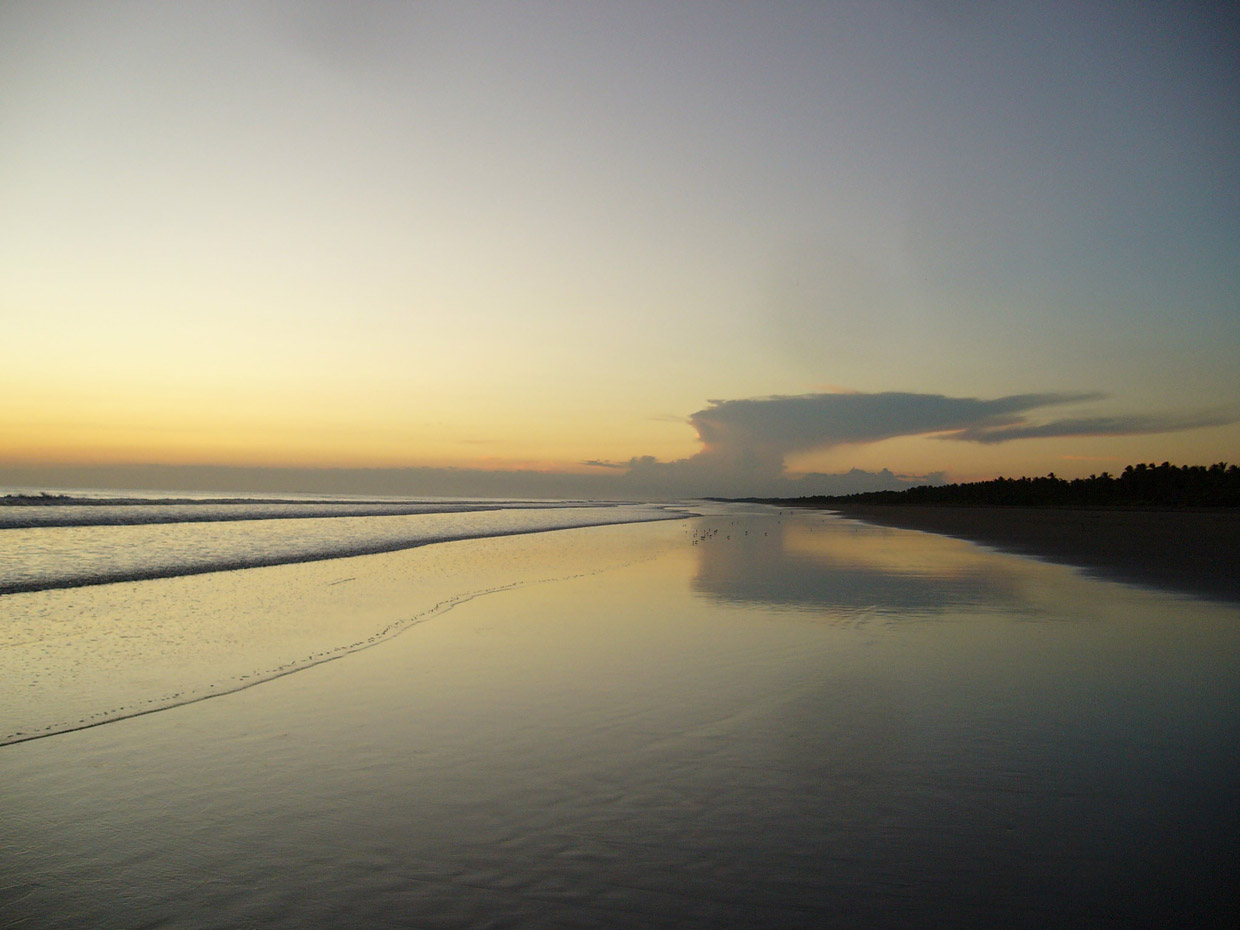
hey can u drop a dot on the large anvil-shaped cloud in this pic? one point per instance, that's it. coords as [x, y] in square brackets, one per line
[745, 443]
[757, 433]
[784, 424]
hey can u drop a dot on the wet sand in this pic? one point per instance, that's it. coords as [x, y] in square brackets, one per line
[1191, 551]
[746, 720]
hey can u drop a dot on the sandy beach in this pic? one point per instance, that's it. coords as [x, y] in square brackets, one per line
[419, 425]
[747, 719]
[1191, 551]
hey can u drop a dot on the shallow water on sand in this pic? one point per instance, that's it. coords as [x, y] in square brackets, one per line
[66, 556]
[83, 656]
[746, 720]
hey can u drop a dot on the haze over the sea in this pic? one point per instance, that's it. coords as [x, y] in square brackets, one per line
[614, 250]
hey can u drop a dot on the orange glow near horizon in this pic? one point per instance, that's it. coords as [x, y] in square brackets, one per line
[247, 237]
[130, 422]
[148, 428]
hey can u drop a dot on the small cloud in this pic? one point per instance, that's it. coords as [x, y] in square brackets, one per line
[933, 477]
[597, 463]
[1090, 426]
[669, 418]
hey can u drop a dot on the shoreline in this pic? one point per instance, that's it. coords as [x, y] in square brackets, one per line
[787, 717]
[1193, 552]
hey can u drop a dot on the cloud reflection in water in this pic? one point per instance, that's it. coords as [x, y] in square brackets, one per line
[818, 562]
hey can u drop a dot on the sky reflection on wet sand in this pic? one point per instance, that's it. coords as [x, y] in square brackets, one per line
[797, 725]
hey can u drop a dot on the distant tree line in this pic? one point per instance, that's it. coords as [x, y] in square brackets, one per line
[1164, 485]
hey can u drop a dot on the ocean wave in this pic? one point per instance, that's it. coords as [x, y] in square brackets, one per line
[31, 511]
[67, 556]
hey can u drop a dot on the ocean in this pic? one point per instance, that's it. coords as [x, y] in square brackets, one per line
[738, 717]
[67, 541]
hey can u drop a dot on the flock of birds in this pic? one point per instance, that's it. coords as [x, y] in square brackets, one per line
[703, 534]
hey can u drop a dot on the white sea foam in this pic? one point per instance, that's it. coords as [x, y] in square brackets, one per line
[78, 511]
[76, 651]
[78, 544]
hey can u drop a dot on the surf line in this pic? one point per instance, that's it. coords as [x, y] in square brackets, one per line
[254, 679]
[295, 558]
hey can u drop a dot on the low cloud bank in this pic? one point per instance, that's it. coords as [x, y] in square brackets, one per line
[710, 474]
[642, 479]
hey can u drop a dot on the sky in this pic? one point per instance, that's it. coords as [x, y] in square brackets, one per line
[629, 249]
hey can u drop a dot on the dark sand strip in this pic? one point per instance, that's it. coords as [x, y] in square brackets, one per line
[1190, 551]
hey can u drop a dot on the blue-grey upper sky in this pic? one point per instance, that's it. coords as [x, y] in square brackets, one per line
[532, 235]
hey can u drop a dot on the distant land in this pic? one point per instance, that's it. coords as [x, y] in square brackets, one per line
[1156, 486]
[46, 499]
[1166, 526]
